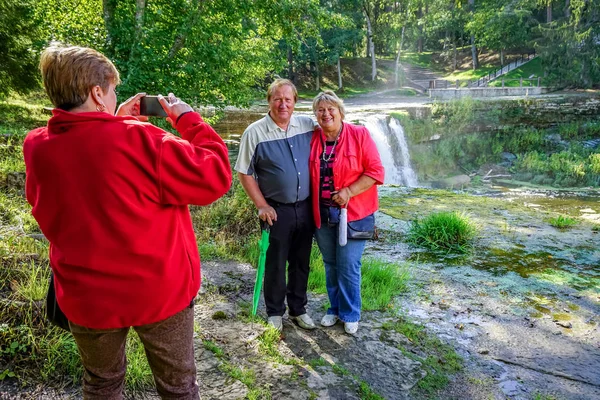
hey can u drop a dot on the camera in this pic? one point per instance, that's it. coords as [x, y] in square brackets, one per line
[150, 106]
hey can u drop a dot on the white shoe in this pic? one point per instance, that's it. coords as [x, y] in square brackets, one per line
[351, 327]
[329, 320]
[276, 322]
[304, 321]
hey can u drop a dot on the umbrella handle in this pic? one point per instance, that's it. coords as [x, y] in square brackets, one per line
[264, 225]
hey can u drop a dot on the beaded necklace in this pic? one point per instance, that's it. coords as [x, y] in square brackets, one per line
[326, 157]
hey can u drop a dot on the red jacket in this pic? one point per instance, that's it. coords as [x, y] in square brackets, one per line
[111, 194]
[355, 154]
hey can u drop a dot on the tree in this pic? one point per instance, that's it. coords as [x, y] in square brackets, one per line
[569, 50]
[473, 46]
[501, 27]
[18, 56]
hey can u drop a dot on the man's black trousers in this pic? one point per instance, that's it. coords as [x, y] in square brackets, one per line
[290, 241]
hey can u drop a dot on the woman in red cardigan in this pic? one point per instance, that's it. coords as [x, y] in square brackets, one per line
[344, 169]
[111, 195]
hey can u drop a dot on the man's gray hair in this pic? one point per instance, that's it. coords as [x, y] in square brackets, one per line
[328, 96]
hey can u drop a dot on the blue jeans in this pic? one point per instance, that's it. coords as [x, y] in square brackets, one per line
[342, 273]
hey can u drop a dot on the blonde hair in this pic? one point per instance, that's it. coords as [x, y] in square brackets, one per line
[279, 82]
[329, 96]
[69, 73]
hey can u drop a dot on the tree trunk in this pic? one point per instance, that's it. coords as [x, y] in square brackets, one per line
[397, 65]
[290, 59]
[339, 71]
[473, 46]
[549, 11]
[317, 72]
[455, 54]
[140, 7]
[371, 46]
[182, 36]
[567, 8]
[108, 10]
[420, 38]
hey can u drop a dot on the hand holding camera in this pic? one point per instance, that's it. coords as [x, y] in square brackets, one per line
[142, 106]
[131, 106]
[174, 107]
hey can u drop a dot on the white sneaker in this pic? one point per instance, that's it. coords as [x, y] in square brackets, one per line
[304, 321]
[276, 322]
[329, 320]
[351, 327]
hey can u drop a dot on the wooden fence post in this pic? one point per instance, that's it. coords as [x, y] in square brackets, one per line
[539, 78]
[502, 83]
[457, 83]
[521, 82]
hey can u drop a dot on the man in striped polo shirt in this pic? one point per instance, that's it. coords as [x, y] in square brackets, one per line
[272, 166]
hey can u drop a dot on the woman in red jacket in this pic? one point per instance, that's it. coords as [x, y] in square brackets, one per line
[344, 169]
[111, 195]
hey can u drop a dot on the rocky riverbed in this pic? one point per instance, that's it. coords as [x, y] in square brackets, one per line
[516, 319]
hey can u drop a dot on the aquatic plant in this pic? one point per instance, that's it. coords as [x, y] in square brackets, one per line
[562, 221]
[443, 231]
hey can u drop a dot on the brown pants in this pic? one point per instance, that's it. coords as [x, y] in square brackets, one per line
[169, 348]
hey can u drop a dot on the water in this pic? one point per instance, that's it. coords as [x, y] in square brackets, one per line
[393, 150]
[389, 138]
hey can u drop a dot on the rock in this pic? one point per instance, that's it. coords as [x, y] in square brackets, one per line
[453, 182]
[565, 324]
[508, 157]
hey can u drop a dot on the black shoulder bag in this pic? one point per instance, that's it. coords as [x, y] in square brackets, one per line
[53, 311]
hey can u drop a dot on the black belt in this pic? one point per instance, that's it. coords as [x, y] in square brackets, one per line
[274, 203]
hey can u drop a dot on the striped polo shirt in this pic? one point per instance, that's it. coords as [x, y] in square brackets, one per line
[277, 158]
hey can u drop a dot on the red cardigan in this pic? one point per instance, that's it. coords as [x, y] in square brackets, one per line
[111, 194]
[355, 154]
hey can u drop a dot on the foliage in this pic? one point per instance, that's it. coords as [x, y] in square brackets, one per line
[569, 48]
[19, 33]
[380, 281]
[439, 359]
[228, 228]
[562, 221]
[443, 231]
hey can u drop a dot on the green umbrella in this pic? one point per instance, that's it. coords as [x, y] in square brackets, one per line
[262, 257]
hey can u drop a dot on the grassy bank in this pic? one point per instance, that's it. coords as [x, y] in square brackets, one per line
[470, 135]
[32, 350]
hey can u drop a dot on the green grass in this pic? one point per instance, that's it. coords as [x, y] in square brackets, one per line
[439, 359]
[443, 231]
[139, 376]
[34, 285]
[423, 59]
[229, 228]
[563, 221]
[512, 79]
[380, 281]
[246, 376]
[306, 94]
[365, 390]
[470, 74]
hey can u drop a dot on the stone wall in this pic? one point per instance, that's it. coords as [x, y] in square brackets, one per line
[486, 92]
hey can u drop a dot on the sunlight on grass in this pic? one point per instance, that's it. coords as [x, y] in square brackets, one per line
[380, 281]
[443, 231]
[562, 221]
[34, 285]
[139, 376]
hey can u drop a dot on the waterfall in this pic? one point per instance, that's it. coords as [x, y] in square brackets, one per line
[393, 150]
